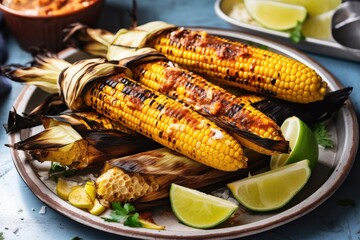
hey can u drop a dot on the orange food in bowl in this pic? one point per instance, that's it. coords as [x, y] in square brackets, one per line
[45, 28]
[47, 7]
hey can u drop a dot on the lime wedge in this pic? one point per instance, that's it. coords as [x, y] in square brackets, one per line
[315, 7]
[318, 26]
[302, 142]
[275, 15]
[273, 189]
[197, 209]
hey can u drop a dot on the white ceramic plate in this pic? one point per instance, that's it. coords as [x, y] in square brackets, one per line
[332, 169]
[223, 9]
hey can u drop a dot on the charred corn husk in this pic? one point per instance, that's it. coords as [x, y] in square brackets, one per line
[147, 176]
[77, 143]
[230, 63]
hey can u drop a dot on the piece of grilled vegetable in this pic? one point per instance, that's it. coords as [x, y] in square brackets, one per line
[228, 62]
[147, 176]
[78, 140]
[109, 90]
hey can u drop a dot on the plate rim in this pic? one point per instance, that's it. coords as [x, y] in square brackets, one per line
[337, 177]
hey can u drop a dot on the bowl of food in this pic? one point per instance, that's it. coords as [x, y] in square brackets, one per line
[41, 23]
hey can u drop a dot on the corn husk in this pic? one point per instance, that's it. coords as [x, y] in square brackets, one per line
[163, 167]
[71, 141]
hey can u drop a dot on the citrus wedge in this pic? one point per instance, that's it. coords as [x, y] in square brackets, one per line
[302, 142]
[318, 26]
[197, 209]
[275, 15]
[272, 189]
[315, 7]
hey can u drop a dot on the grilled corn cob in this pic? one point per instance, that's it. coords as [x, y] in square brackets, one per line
[74, 140]
[249, 126]
[146, 176]
[230, 63]
[107, 89]
[165, 121]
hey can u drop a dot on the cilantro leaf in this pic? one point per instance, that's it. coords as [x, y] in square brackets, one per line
[322, 135]
[296, 35]
[129, 208]
[125, 214]
[133, 221]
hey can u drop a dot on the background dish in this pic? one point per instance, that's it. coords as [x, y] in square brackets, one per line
[331, 171]
[329, 48]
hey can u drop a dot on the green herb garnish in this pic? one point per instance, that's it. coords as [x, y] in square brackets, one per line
[125, 214]
[56, 169]
[296, 35]
[322, 135]
[2, 236]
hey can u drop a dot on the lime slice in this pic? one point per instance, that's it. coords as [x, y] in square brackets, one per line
[275, 15]
[197, 209]
[302, 142]
[273, 189]
[315, 7]
[318, 26]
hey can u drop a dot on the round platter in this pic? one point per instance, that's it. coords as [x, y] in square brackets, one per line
[333, 167]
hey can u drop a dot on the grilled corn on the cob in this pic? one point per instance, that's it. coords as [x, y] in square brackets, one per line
[249, 126]
[228, 62]
[107, 89]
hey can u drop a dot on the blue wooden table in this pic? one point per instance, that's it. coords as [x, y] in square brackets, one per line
[20, 217]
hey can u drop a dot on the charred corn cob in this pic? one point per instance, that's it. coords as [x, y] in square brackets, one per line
[162, 119]
[240, 65]
[230, 63]
[107, 89]
[77, 142]
[249, 126]
[146, 176]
